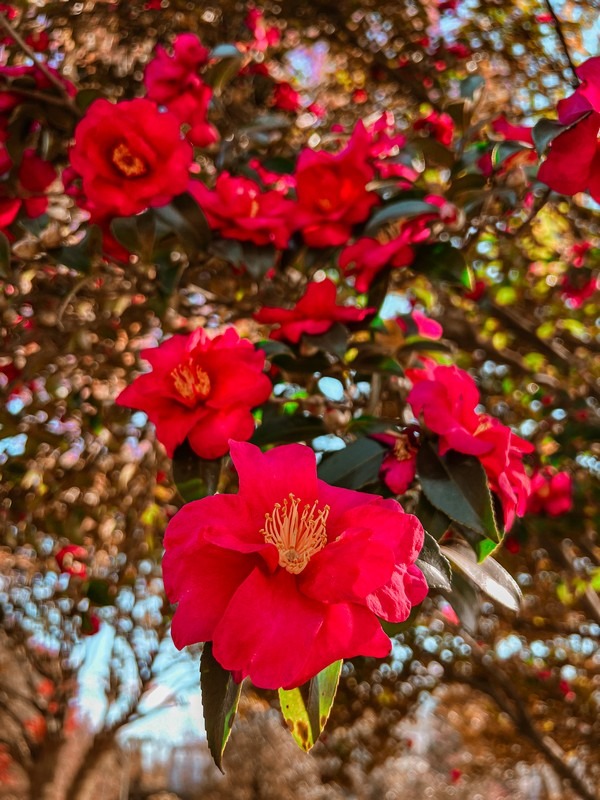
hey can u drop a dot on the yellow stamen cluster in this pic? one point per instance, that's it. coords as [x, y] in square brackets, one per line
[297, 534]
[191, 382]
[128, 163]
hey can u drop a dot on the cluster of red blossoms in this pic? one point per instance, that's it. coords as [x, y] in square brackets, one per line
[445, 399]
[29, 179]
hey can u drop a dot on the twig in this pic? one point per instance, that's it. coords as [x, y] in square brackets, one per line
[63, 306]
[41, 65]
[32, 94]
[563, 41]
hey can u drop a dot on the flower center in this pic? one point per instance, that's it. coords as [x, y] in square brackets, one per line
[128, 163]
[192, 383]
[297, 533]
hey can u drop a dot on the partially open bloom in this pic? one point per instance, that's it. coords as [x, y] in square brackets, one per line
[291, 574]
[201, 389]
[129, 156]
[314, 313]
[332, 191]
[573, 163]
[551, 493]
[399, 466]
[445, 398]
[239, 210]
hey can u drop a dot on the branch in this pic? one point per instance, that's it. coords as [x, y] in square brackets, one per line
[503, 692]
[41, 65]
[563, 42]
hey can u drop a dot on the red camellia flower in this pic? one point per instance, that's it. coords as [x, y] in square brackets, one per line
[285, 97]
[445, 398]
[314, 313]
[367, 257]
[129, 156]
[69, 560]
[332, 193]
[290, 574]
[34, 176]
[239, 210]
[551, 493]
[202, 389]
[440, 126]
[173, 82]
[399, 467]
[573, 163]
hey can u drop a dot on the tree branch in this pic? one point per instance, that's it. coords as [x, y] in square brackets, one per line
[563, 42]
[67, 100]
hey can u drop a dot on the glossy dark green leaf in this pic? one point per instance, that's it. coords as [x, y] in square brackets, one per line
[306, 709]
[137, 234]
[184, 217]
[432, 519]
[456, 484]
[355, 466]
[504, 150]
[443, 262]
[434, 565]
[82, 256]
[403, 209]
[85, 97]
[195, 477]
[281, 430]
[335, 340]
[489, 575]
[545, 131]
[220, 698]
[464, 600]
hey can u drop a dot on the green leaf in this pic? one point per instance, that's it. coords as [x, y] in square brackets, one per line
[195, 477]
[355, 466]
[504, 150]
[306, 720]
[456, 484]
[288, 429]
[432, 519]
[137, 234]
[471, 85]
[466, 183]
[434, 565]
[271, 347]
[371, 358]
[335, 340]
[489, 576]
[220, 698]
[546, 130]
[100, 592]
[81, 256]
[184, 217]
[443, 262]
[4, 256]
[404, 209]
[463, 599]
[227, 67]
